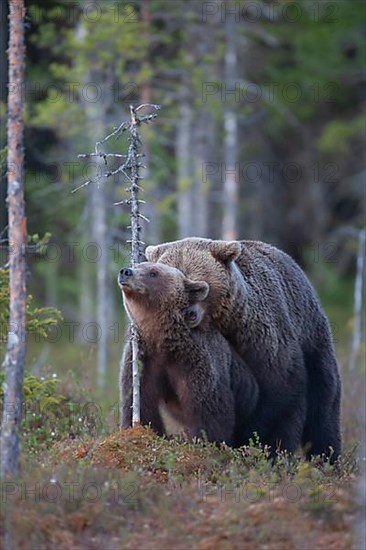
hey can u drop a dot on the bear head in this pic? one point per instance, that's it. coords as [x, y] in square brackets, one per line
[207, 260]
[157, 295]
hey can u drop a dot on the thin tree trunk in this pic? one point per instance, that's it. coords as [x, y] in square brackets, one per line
[361, 527]
[136, 254]
[16, 346]
[100, 237]
[357, 331]
[204, 132]
[153, 231]
[3, 96]
[85, 273]
[96, 115]
[230, 172]
[185, 196]
[86, 296]
[204, 126]
[3, 57]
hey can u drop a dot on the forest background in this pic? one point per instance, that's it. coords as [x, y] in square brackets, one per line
[260, 136]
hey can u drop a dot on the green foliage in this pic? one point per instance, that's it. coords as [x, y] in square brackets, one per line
[39, 394]
[40, 320]
[40, 399]
[315, 59]
[3, 159]
[39, 243]
[337, 136]
[336, 291]
[41, 390]
[50, 413]
[96, 69]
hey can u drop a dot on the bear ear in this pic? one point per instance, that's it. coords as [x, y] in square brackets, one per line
[197, 290]
[153, 253]
[225, 251]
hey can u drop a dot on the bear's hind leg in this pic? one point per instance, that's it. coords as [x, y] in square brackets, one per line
[286, 434]
[278, 426]
[322, 428]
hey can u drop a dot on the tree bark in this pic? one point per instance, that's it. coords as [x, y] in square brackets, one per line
[3, 97]
[16, 345]
[3, 44]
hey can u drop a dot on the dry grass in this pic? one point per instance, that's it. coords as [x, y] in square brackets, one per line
[134, 489]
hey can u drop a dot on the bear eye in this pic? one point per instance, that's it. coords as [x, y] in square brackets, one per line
[153, 274]
[192, 315]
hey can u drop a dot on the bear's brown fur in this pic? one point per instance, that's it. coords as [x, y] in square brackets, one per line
[264, 305]
[191, 374]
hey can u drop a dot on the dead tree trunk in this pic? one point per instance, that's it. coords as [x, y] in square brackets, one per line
[130, 169]
[16, 346]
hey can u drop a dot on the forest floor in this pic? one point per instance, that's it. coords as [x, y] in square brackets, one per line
[133, 489]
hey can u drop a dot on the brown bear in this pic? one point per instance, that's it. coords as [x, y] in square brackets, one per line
[189, 375]
[264, 305]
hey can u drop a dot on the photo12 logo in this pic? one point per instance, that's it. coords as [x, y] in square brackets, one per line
[252, 12]
[55, 491]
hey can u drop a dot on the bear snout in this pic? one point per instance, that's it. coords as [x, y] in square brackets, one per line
[125, 275]
[129, 281]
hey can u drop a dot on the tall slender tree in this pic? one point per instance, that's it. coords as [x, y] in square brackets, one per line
[96, 115]
[184, 161]
[16, 346]
[230, 172]
[3, 94]
[153, 229]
